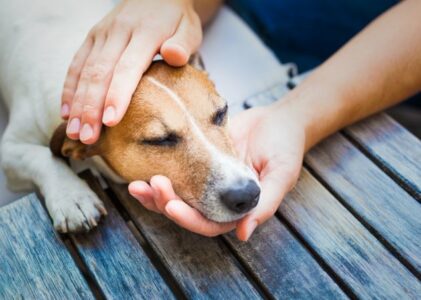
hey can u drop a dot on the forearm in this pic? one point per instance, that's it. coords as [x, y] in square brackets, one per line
[379, 67]
[206, 9]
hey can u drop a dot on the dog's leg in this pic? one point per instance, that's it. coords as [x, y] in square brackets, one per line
[72, 205]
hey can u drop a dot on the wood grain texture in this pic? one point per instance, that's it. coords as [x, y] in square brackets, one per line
[371, 194]
[359, 259]
[393, 147]
[203, 267]
[34, 262]
[282, 265]
[116, 260]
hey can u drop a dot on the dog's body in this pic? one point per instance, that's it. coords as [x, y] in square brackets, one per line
[36, 46]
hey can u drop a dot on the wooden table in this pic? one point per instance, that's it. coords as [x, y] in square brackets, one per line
[350, 229]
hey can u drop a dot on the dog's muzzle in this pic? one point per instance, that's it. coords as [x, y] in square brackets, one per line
[241, 197]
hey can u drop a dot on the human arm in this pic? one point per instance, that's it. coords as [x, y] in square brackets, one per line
[378, 68]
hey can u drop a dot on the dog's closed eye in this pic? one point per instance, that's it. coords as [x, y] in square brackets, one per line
[220, 116]
[169, 140]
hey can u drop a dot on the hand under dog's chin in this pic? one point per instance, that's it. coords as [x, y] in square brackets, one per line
[226, 218]
[218, 213]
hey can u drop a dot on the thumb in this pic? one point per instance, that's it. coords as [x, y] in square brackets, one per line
[185, 41]
[274, 186]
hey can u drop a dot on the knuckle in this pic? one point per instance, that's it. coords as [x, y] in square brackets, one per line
[121, 23]
[152, 27]
[90, 111]
[85, 73]
[125, 66]
[97, 30]
[97, 72]
[67, 94]
[74, 67]
[77, 101]
[197, 35]
[111, 96]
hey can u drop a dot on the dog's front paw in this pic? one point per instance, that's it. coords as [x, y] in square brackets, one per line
[76, 212]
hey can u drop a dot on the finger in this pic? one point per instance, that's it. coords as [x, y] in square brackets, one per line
[185, 41]
[274, 186]
[101, 71]
[164, 191]
[133, 63]
[72, 77]
[141, 191]
[76, 110]
[192, 220]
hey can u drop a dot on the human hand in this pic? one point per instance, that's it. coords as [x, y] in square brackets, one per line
[107, 68]
[271, 141]
[159, 196]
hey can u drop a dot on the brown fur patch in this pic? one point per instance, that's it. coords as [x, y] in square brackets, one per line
[153, 114]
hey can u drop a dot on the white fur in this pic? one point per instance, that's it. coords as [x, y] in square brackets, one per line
[37, 42]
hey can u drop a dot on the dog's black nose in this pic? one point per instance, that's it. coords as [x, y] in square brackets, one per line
[242, 197]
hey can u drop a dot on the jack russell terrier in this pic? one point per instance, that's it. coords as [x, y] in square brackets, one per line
[176, 124]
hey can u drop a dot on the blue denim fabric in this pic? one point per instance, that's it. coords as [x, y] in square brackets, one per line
[307, 32]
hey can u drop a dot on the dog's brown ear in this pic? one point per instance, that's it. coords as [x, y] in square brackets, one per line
[62, 146]
[196, 61]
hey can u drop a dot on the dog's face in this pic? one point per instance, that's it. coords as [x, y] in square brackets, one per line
[176, 125]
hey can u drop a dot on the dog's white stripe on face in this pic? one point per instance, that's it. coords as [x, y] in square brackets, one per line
[225, 165]
[180, 103]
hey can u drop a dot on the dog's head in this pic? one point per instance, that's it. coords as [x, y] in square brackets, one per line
[176, 125]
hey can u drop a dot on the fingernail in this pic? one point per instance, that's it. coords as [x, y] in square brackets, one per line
[65, 110]
[250, 229]
[109, 115]
[169, 209]
[86, 133]
[73, 126]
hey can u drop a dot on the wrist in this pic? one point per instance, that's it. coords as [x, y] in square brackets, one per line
[314, 107]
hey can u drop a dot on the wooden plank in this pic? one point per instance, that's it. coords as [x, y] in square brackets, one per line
[115, 259]
[378, 200]
[282, 265]
[394, 148]
[203, 267]
[358, 259]
[35, 263]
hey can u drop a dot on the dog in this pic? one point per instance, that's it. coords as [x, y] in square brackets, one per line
[176, 124]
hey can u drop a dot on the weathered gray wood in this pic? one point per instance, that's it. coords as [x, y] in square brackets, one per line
[282, 265]
[359, 259]
[393, 147]
[373, 195]
[115, 259]
[203, 267]
[34, 262]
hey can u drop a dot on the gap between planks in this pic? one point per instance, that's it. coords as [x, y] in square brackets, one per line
[264, 293]
[382, 165]
[153, 257]
[84, 270]
[318, 258]
[74, 254]
[360, 219]
[253, 278]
